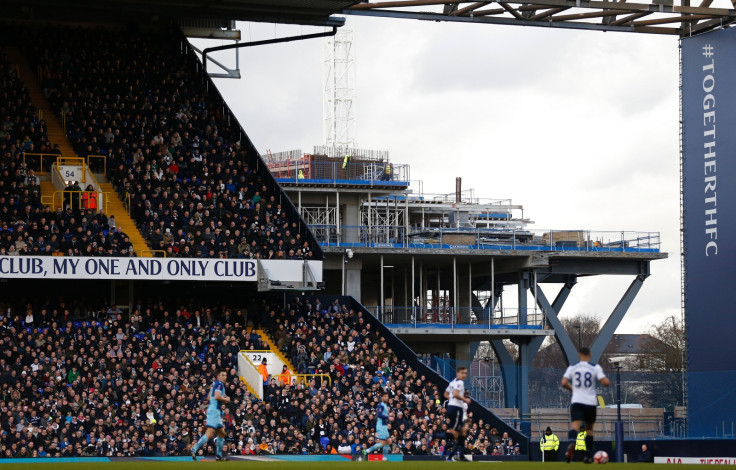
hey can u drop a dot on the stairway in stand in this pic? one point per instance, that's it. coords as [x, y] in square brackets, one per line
[57, 136]
[30, 80]
[265, 338]
[47, 188]
[123, 221]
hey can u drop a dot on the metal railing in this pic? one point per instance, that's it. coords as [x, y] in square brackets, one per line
[306, 378]
[339, 152]
[152, 253]
[76, 200]
[458, 316]
[634, 427]
[92, 158]
[486, 238]
[38, 161]
[42, 162]
[305, 171]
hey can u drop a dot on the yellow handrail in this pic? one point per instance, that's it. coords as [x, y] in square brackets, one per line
[295, 378]
[76, 203]
[151, 253]
[127, 203]
[40, 159]
[69, 160]
[104, 163]
[306, 378]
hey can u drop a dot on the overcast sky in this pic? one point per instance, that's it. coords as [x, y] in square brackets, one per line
[580, 127]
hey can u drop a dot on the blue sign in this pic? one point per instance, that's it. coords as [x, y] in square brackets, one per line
[709, 216]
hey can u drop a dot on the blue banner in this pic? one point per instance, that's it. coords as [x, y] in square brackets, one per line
[709, 216]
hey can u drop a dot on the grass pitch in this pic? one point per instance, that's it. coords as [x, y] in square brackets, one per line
[240, 465]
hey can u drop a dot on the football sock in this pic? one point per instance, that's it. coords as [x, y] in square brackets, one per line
[589, 446]
[385, 450]
[219, 443]
[202, 441]
[460, 445]
[572, 434]
[374, 447]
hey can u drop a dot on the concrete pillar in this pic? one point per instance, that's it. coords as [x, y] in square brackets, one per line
[522, 288]
[353, 277]
[461, 353]
[463, 294]
[351, 205]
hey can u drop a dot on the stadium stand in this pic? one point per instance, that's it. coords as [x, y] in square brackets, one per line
[101, 382]
[194, 184]
[29, 227]
[78, 381]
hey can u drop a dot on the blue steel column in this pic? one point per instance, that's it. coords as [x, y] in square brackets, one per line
[606, 334]
[516, 373]
[527, 350]
[551, 313]
[508, 371]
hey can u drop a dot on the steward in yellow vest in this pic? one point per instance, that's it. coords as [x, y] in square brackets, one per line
[580, 446]
[549, 445]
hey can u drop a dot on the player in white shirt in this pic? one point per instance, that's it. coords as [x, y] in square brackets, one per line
[581, 380]
[455, 395]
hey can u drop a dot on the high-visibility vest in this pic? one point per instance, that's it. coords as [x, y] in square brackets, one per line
[389, 167]
[550, 442]
[345, 161]
[263, 370]
[580, 441]
[285, 378]
[300, 175]
[89, 200]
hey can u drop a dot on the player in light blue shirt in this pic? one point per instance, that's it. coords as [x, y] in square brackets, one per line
[214, 418]
[383, 416]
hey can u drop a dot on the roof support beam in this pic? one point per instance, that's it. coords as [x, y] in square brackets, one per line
[594, 14]
[684, 19]
[551, 313]
[469, 8]
[542, 13]
[545, 14]
[628, 19]
[609, 328]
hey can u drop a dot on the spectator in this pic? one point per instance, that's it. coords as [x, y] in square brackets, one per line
[646, 455]
[263, 370]
[179, 161]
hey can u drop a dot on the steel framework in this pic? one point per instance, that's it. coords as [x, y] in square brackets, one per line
[339, 91]
[677, 17]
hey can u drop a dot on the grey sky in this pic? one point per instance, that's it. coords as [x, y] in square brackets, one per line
[580, 127]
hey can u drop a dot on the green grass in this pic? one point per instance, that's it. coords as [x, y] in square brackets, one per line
[431, 465]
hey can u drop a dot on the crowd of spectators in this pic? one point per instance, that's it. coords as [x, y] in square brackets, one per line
[136, 97]
[101, 382]
[27, 227]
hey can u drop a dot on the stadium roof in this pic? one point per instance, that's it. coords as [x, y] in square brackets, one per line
[312, 12]
[676, 17]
